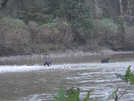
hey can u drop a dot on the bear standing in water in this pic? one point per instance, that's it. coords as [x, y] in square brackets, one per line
[48, 63]
[105, 60]
[48, 60]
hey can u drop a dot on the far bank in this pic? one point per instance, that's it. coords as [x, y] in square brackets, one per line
[68, 57]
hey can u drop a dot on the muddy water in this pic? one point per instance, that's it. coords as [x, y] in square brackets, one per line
[25, 83]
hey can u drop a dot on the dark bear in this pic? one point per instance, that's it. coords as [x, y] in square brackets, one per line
[47, 62]
[105, 60]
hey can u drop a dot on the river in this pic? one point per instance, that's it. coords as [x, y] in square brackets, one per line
[24, 80]
[39, 83]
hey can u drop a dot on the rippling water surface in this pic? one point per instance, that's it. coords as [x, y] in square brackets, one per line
[39, 83]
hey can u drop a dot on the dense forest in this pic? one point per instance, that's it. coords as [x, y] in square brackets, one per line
[39, 26]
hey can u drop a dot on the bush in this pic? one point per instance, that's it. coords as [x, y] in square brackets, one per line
[14, 34]
[59, 32]
[74, 95]
[107, 24]
[71, 95]
[129, 38]
[75, 12]
[108, 34]
[129, 76]
[5, 51]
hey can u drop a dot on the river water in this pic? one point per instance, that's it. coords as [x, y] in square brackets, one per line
[41, 83]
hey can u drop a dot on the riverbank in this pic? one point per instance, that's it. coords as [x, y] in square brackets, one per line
[67, 57]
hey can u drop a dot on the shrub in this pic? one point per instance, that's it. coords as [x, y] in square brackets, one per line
[129, 76]
[75, 12]
[129, 38]
[59, 32]
[74, 95]
[14, 34]
[70, 95]
[108, 34]
[128, 73]
[107, 24]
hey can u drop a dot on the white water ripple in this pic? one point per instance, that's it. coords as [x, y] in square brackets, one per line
[106, 67]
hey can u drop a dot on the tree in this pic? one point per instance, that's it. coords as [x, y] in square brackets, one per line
[75, 12]
[3, 3]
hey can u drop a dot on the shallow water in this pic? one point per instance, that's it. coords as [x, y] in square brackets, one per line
[39, 83]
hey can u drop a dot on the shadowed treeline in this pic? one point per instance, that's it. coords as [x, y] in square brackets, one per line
[39, 26]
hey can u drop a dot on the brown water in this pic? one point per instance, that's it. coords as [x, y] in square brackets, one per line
[39, 83]
[42, 85]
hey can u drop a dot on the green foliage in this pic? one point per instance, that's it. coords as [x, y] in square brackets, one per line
[87, 98]
[128, 73]
[11, 22]
[70, 95]
[15, 35]
[50, 24]
[129, 76]
[112, 94]
[60, 96]
[76, 13]
[74, 95]
[107, 24]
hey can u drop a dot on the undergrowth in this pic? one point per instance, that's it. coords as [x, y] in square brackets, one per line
[129, 76]
[73, 94]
